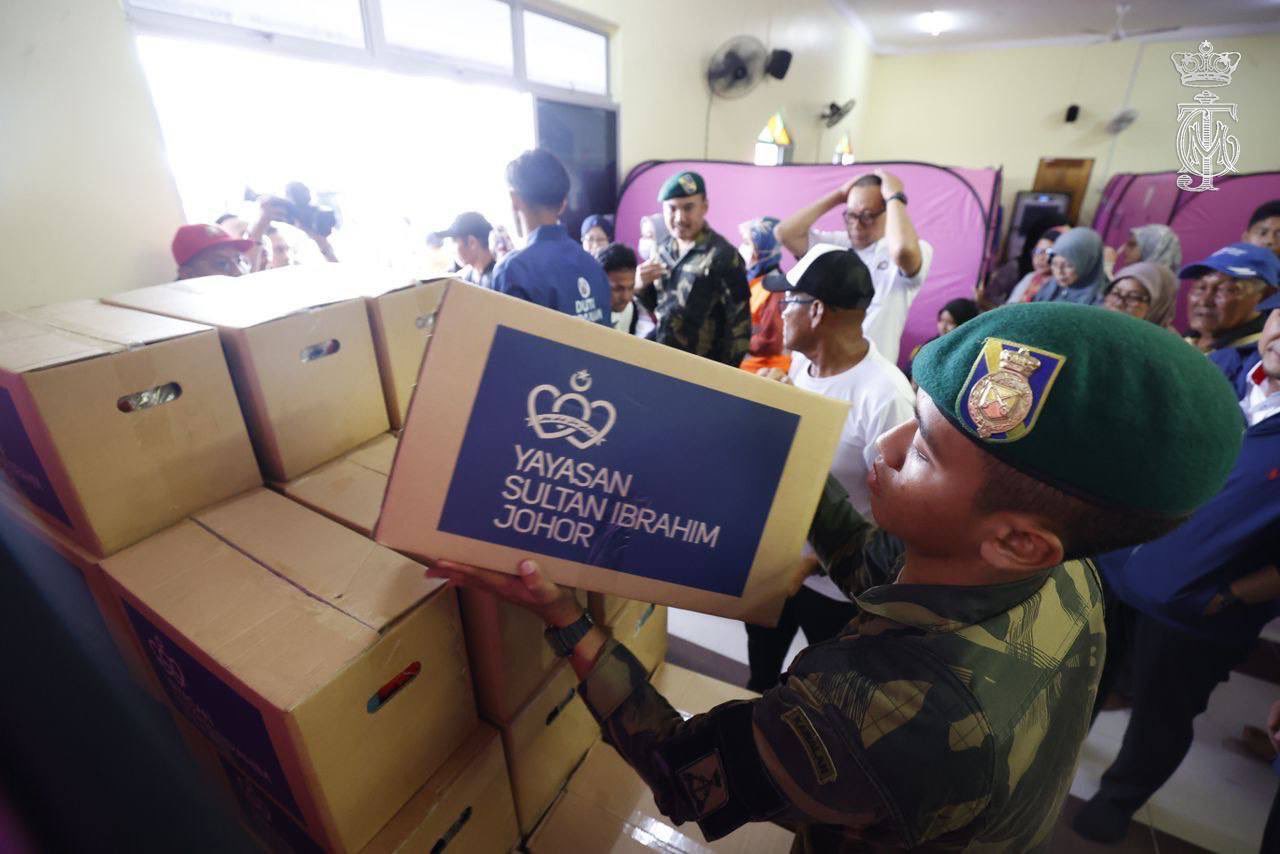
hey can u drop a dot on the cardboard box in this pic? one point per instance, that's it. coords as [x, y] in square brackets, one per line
[401, 312]
[466, 806]
[642, 628]
[349, 489]
[605, 608]
[692, 693]
[626, 467]
[607, 806]
[115, 424]
[545, 742]
[326, 668]
[303, 364]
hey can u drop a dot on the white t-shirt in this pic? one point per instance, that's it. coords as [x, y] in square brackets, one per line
[895, 291]
[880, 399]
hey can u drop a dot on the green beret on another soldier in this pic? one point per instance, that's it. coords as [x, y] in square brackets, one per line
[696, 283]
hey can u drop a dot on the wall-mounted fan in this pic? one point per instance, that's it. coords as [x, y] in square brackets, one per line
[835, 113]
[741, 63]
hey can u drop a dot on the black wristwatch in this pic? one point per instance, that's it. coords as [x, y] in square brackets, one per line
[900, 196]
[564, 640]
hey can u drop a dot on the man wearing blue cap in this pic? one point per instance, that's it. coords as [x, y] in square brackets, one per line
[1192, 604]
[696, 285]
[1222, 304]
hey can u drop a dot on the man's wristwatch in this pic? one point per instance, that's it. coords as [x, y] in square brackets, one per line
[900, 196]
[564, 640]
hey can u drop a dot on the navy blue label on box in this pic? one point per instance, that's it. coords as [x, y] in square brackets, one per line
[21, 466]
[265, 816]
[224, 717]
[579, 456]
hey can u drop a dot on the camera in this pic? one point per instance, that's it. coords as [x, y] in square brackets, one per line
[295, 208]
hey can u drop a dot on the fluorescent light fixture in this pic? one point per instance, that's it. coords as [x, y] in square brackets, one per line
[934, 23]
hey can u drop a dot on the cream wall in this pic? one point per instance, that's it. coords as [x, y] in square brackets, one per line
[88, 204]
[660, 53]
[993, 107]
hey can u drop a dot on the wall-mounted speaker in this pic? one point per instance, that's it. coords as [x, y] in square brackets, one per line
[779, 62]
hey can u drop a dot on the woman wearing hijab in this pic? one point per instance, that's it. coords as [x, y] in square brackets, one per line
[596, 233]
[1032, 282]
[763, 254]
[1076, 264]
[1144, 290]
[653, 233]
[1157, 244]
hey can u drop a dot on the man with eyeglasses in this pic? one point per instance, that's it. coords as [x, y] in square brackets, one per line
[1222, 304]
[207, 250]
[825, 299]
[879, 229]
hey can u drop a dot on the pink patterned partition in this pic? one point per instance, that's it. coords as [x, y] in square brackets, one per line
[952, 208]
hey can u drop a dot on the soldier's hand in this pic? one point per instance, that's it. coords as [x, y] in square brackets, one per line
[774, 374]
[651, 271]
[529, 589]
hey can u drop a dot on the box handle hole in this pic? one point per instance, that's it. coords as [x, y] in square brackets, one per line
[149, 398]
[454, 830]
[559, 707]
[425, 321]
[395, 686]
[320, 350]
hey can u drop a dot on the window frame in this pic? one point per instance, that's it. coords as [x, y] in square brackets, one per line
[378, 53]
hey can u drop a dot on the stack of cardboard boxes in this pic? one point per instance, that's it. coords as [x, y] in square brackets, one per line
[347, 702]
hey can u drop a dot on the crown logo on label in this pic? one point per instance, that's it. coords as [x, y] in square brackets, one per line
[570, 416]
[1206, 68]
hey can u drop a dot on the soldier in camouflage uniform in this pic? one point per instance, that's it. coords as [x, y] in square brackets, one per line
[696, 285]
[949, 714]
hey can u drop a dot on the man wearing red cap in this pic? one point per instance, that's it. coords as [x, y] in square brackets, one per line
[207, 250]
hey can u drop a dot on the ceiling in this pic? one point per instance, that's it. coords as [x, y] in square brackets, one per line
[890, 25]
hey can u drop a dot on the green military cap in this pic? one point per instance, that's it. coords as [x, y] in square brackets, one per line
[1111, 409]
[682, 184]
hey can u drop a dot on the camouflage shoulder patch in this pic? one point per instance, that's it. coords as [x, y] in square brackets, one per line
[824, 769]
[705, 784]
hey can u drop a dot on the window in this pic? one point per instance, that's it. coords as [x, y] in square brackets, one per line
[335, 21]
[473, 39]
[565, 55]
[398, 155]
[477, 30]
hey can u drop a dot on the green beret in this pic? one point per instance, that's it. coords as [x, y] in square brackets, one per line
[1111, 409]
[682, 184]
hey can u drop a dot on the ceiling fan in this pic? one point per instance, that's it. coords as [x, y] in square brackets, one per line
[1119, 33]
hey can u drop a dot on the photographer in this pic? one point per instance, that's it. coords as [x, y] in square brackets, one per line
[294, 208]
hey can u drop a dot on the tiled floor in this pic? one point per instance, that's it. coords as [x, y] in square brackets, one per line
[1217, 801]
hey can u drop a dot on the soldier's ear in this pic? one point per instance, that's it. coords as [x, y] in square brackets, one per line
[1017, 542]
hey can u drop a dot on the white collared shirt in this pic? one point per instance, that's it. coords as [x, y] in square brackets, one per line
[895, 290]
[1260, 403]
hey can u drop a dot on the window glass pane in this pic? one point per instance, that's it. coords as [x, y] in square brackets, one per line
[337, 21]
[475, 30]
[563, 55]
[384, 149]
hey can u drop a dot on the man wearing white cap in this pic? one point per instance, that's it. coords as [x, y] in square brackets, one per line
[825, 299]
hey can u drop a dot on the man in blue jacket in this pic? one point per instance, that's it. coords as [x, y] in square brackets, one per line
[552, 269]
[1202, 595]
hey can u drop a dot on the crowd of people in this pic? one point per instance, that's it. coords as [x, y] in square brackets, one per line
[1181, 610]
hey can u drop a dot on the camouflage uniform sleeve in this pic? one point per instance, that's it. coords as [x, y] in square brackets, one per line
[699, 294]
[851, 550]
[737, 297]
[718, 768]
